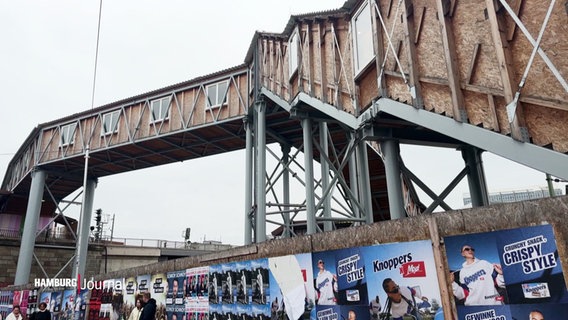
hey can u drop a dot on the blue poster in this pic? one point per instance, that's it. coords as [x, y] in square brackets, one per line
[514, 271]
[260, 282]
[401, 279]
[531, 266]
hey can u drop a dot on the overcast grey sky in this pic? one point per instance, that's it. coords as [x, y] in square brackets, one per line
[46, 70]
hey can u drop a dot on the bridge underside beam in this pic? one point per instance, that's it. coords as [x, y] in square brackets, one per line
[528, 154]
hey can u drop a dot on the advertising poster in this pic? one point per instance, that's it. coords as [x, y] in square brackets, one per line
[215, 283]
[260, 282]
[129, 293]
[143, 284]
[243, 282]
[116, 291]
[243, 311]
[228, 283]
[67, 305]
[402, 278]
[32, 301]
[20, 298]
[215, 312]
[175, 294]
[515, 270]
[175, 306]
[292, 292]
[260, 311]
[55, 305]
[45, 297]
[325, 278]
[95, 301]
[544, 311]
[197, 286]
[229, 311]
[199, 312]
[80, 307]
[158, 291]
[351, 280]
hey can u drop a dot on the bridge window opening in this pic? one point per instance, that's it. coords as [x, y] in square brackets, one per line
[67, 135]
[217, 94]
[160, 109]
[362, 27]
[110, 123]
[293, 53]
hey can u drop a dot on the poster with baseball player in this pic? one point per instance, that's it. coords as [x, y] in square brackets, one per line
[292, 293]
[402, 277]
[324, 273]
[260, 282]
[506, 268]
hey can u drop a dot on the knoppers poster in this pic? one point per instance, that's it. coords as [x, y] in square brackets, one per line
[531, 266]
[406, 268]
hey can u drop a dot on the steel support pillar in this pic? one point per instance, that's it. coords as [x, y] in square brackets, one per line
[309, 176]
[391, 152]
[286, 189]
[248, 182]
[327, 225]
[30, 226]
[475, 176]
[81, 251]
[364, 181]
[260, 172]
[353, 180]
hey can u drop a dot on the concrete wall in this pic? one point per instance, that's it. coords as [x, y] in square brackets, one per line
[52, 260]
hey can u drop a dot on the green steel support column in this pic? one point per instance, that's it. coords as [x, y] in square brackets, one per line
[260, 225]
[327, 225]
[353, 179]
[30, 226]
[81, 252]
[286, 190]
[475, 176]
[309, 171]
[248, 182]
[364, 181]
[391, 152]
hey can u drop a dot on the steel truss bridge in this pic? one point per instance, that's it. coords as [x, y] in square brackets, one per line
[330, 99]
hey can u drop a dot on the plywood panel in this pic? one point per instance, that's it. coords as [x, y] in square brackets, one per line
[543, 124]
[541, 82]
[437, 98]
